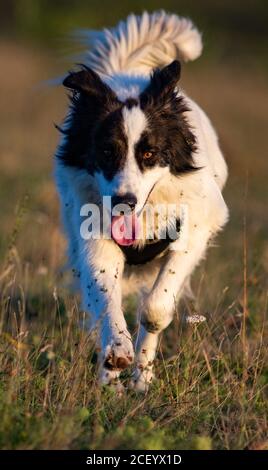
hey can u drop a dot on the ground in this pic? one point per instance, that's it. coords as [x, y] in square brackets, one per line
[211, 387]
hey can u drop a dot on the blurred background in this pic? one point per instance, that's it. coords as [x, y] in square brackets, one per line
[229, 81]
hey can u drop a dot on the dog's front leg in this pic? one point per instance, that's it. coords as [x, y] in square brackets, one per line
[101, 278]
[156, 311]
[207, 215]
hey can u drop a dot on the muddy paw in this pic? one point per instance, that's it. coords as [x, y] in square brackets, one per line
[119, 355]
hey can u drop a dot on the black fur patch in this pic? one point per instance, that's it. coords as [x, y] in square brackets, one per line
[130, 102]
[92, 102]
[169, 136]
[109, 144]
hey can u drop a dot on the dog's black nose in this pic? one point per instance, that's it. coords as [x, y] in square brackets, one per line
[127, 199]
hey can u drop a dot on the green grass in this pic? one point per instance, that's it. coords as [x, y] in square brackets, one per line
[209, 392]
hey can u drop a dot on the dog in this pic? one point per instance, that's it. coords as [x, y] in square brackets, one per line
[133, 136]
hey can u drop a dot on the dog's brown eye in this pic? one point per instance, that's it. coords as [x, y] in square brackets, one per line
[147, 155]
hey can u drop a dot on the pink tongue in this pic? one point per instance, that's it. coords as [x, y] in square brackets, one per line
[125, 229]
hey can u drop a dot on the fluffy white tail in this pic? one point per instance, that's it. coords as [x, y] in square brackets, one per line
[141, 43]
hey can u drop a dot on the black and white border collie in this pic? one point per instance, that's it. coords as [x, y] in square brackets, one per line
[132, 134]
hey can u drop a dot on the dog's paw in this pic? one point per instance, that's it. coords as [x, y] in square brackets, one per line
[111, 378]
[119, 353]
[142, 378]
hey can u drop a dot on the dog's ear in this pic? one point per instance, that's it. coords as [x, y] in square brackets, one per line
[88, 82]
[162, 84]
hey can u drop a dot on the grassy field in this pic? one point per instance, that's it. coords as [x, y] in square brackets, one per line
[211, 387]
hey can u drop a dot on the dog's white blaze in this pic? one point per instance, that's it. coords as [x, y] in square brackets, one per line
[134, 122]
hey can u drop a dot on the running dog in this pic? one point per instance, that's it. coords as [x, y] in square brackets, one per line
[132, 136]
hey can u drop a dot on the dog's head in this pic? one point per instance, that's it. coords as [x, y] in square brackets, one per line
[128, 146]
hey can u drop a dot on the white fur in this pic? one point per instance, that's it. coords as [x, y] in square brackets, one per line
[134, 121]
[142, 43]
[138, 45]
